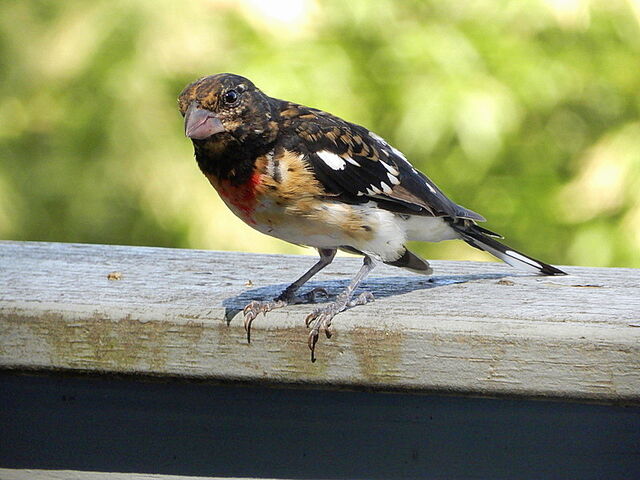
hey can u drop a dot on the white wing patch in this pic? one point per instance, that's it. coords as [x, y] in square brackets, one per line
[433, 190]
[398, 153]
[332, 160]
[386, 147]
[428, 185]
[392, 170]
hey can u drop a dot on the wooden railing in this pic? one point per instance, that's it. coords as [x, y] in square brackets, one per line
[472, 330]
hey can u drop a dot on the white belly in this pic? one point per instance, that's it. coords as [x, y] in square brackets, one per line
[427, 229]
[367, 228]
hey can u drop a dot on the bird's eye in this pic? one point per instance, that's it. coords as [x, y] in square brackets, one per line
[230, 97]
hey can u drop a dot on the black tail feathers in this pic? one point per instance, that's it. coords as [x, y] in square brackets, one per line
[480, 238]
[411, 261]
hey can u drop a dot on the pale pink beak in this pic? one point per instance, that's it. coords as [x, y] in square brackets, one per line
[200, 123]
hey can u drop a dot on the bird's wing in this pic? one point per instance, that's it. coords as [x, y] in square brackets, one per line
[358, 166]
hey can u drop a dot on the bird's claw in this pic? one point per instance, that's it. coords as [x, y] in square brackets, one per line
[321, 318]
[321, 321]
[322, 324]
[255, 308]
[251, 311]
[362, 299]
[313, 339]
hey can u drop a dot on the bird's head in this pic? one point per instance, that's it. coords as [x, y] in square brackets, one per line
[225, 108]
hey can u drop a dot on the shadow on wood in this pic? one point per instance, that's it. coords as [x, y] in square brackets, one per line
[380, 287]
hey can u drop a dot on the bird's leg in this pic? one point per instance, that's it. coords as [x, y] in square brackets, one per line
[288, 296]
[321, 317]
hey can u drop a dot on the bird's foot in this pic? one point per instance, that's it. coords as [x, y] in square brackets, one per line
[320, 319]
[254, 308]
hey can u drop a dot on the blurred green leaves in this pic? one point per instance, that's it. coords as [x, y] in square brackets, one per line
[525, 111]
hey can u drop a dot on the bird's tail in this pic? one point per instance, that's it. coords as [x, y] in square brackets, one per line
[483, 239]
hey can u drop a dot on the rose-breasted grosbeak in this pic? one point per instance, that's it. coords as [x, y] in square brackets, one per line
[310, 178]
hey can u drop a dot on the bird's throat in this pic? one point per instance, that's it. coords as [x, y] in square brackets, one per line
[228, 161]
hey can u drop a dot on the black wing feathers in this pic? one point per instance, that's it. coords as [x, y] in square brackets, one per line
[358, 166]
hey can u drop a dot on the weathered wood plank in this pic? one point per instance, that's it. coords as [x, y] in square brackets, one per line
[473, 328]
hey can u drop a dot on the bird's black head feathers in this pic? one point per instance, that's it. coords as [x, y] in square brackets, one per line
[229, 120]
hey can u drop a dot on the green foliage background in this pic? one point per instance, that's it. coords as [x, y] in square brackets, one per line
[526, 111]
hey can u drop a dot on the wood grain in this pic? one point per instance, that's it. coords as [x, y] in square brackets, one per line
[473, 328]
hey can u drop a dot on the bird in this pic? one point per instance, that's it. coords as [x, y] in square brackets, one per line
[310, 178]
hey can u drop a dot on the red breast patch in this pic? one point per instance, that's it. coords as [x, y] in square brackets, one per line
[242, 197]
